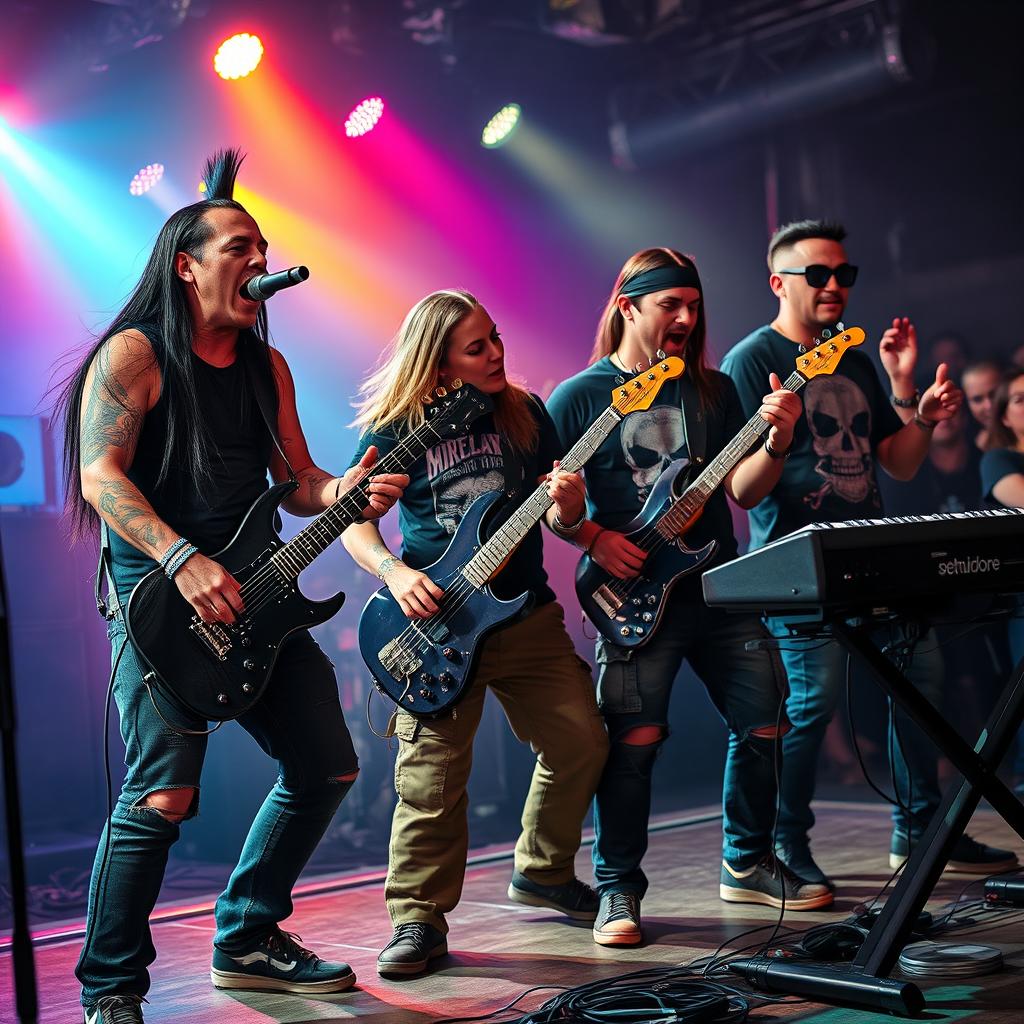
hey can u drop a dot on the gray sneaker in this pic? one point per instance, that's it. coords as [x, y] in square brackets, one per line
[770, 883]
[125, 1009]
[618, 920]
[412, 946]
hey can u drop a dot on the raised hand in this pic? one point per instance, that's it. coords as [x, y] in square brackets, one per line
[898, 351]
[941, 399]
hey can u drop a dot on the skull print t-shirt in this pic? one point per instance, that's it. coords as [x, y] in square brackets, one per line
[622, 472]
[830, 474]
[451, 475]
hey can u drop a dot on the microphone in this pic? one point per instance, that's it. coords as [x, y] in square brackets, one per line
[262, 286]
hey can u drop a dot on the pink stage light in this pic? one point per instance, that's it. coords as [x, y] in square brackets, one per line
[146, 179]
[238, 56]
[364, 117]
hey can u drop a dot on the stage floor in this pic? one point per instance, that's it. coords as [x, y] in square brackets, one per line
[498, 949]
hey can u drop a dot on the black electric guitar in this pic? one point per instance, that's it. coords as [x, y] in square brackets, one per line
[219, 671]
[627, 612]
[425, 665]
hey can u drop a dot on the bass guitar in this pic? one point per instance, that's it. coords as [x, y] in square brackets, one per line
[219, 670]
[627, 611]
[426, 665]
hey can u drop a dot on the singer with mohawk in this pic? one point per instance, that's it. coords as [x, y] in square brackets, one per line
[166, 448]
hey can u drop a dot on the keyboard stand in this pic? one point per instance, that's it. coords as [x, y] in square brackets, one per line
[865, 982]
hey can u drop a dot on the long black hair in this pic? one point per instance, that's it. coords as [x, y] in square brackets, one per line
[158, 302]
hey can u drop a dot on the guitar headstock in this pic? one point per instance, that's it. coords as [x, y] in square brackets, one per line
[451, 409]
[825, 356]
[640, 392]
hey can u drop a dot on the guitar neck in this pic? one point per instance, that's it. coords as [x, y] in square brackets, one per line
[495, 552]
[298, 553]
[693, 499]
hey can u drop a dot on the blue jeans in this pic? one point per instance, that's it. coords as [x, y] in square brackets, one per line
[299, 722]
[816, 669]
[633, 689]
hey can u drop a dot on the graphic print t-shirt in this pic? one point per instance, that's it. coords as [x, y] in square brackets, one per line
[830, 475]
[623, 470]
[451, 475]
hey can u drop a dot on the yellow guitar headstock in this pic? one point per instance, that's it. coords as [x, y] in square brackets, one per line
[824, 358]
[641, 391]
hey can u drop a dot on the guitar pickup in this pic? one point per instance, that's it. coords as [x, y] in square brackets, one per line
[399, 660]
[606, 600]
[214, 635]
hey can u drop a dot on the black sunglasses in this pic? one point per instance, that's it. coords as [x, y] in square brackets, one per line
[818, 275]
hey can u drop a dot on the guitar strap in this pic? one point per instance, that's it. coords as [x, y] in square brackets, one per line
[694, 424]
[108, 604]
[266, 399]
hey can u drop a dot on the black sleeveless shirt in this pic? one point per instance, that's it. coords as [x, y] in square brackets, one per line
[239, 445]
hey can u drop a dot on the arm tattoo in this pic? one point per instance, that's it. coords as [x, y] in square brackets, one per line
[110, 419]
[124, 508]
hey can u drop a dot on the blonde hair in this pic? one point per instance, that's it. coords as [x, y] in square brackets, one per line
[612, 324]
[410, 367]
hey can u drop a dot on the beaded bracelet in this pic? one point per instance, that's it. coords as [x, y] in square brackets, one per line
[906, 403]
[179, 560]
[172, 551]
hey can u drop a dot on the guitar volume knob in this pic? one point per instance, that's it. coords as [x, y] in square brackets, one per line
[222, 698]
[249, 665]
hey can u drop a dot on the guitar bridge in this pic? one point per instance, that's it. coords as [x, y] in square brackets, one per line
[214, 635]
[399, 660]
[606, 600]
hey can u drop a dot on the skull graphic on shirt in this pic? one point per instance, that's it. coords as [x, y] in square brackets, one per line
[652, 439]
[840, 423]
[452, 501]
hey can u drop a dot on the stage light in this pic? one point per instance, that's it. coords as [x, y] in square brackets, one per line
[238, 56]
[364, 117]
[146, 179]
[500, 128]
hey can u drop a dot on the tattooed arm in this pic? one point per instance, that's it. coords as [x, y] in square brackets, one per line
[122, 385]
[318, 489]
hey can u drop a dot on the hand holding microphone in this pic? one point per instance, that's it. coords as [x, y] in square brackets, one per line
[262, 286]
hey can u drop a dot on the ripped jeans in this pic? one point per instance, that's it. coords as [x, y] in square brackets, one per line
[298, 722]
[633, 689]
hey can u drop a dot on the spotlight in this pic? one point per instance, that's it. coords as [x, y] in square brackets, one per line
[146, 179]
[238, 56]
[500, 128]
[364, 117]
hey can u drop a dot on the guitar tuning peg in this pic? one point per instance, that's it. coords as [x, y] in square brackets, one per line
[427, 400]
[620, 380]
[456, 384]
[660, 354]
[826, 334]
[440, 392]
[639, 368]
[840, 326]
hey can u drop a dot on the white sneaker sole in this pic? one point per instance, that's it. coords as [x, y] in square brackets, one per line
[731, 895]
[630, 938]
[230, 979]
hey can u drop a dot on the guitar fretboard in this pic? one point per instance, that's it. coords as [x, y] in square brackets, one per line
[298, 553]
[693, 499]
[493, 554]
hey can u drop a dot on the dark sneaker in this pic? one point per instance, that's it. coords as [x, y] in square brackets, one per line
[799, 860]
[115, 1010]
[969, 857]
[767, 882]
[279, 964]
[618, 920]
[412, 945]
[575, 899]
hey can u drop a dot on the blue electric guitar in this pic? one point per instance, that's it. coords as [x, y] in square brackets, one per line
[627, 612]
[425, 665]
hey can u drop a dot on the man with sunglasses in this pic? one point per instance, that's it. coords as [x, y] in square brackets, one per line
[850, 424]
